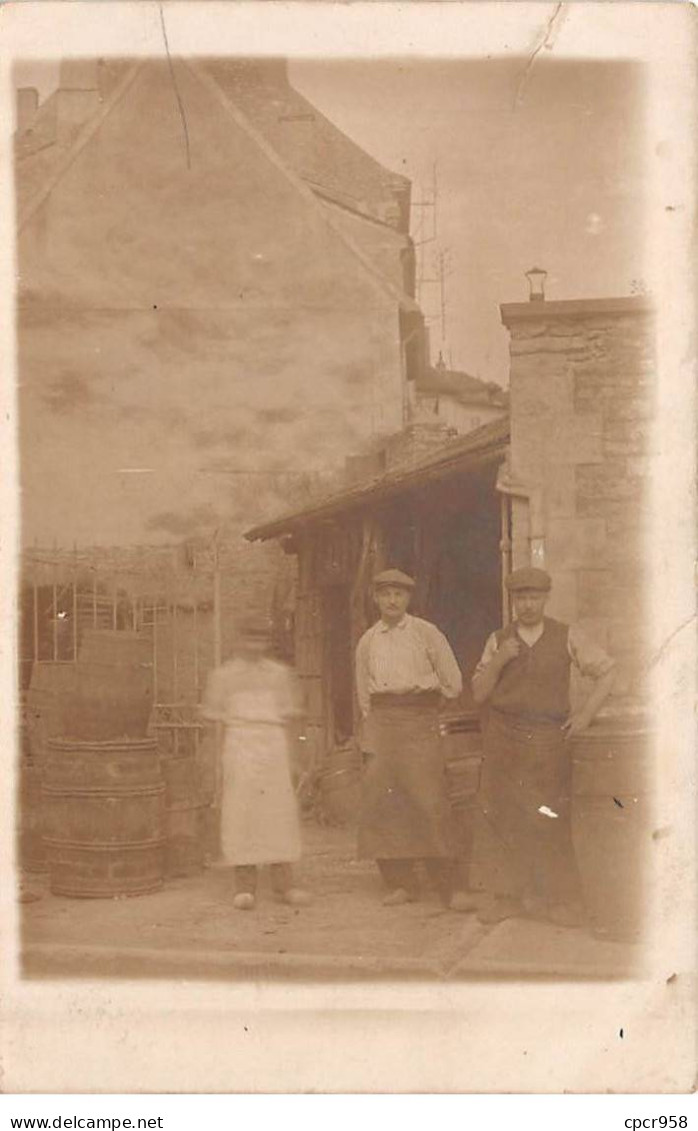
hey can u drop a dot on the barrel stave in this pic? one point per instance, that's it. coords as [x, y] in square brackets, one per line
[612, 822]
[104, 817]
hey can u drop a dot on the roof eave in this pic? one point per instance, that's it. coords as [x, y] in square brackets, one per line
[453, 459]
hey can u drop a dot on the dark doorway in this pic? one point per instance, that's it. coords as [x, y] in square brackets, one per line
[339, 662]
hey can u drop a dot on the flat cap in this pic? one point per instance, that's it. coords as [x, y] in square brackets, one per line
[529, 578]
[393, 577]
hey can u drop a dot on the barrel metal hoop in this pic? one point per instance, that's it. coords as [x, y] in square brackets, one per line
[77, 745]
[107, 846]
[102, 791]
[106, 892]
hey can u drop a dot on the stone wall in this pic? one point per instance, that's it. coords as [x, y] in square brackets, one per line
[582, 395]
[192, 330]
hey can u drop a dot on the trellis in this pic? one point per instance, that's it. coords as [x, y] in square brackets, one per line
[166, 593]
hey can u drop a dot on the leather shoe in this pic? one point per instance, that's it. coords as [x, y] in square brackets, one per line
[296, 897]
[464, 901]
[397, 897]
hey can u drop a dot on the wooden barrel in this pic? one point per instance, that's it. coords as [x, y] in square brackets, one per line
[104, 812]
[31, 850]
[611, 818]
[48, 704]
[340, 785]
[114, 694]
[462, 742]
[185, 825]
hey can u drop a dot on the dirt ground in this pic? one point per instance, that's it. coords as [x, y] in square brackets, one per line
[190, 929]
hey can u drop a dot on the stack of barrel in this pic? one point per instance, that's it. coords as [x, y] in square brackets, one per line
[462, 743]
[340, 785]
[31, 849]
[103, 790]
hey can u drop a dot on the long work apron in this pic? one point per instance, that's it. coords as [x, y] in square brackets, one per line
[524, 804]
[405, 812]
[259, 821]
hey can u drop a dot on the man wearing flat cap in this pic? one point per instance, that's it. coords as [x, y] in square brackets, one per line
[524, 798]
[404, 667]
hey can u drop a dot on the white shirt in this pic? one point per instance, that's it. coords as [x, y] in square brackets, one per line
[410, 656]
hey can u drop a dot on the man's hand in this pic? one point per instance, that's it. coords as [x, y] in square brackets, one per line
[576, 724]
[508, 651]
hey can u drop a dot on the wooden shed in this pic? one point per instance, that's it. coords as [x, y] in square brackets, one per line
[442, 520]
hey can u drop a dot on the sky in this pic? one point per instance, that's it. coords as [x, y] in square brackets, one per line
[539, 166]
[533, 169]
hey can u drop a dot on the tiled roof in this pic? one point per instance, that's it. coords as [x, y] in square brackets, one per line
[435, 381]
[488, 443]
[329, 162]
[326, 159]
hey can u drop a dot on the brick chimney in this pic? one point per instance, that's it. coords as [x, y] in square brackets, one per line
[405, 449]
[79, 95]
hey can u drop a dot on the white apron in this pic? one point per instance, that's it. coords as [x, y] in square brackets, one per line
[259, 811]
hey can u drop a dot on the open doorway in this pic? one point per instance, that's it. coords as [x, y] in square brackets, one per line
[340, 684]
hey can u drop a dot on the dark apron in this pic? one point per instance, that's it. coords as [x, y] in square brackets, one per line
[527, 770]
[405, 810]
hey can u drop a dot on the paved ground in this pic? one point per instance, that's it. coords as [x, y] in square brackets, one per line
[190, 930]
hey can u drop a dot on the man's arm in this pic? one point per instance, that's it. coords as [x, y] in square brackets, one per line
[445, 664]
[494, 660]
[362, 675]
[594, 663]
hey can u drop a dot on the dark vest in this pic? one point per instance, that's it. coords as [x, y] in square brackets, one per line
[535, 684]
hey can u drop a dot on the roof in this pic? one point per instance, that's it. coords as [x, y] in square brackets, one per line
[437, 380]
[44, 153]
[575, 308]
[329, 162]
[482, 446]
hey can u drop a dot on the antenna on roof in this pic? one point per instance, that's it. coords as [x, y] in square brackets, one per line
[426, 231]
[425, 228]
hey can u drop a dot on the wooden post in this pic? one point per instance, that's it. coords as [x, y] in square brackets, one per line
[75, 604]
[156, 697]
[505, 551]
[217, 659]
[217, 612]
[54, 610]
[35, 610]
[196, 646]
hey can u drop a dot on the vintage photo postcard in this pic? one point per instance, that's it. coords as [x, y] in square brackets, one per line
[349, 650]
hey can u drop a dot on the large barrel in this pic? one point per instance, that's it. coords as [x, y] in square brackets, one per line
[49, 704]
[114, 694]
[462, 745]
[340, 785]
[611, 818]
[31, 850]
[104, 808]
[185, 829]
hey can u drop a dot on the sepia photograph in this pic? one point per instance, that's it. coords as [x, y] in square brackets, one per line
[337, 390]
